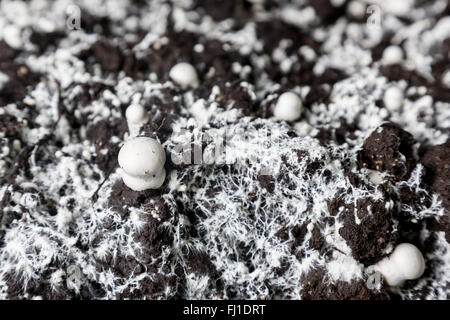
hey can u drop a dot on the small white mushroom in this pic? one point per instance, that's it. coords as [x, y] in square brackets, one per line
[135, 113]
[357, 9]
[289, 107]
[392, 54]
[405, 263]
[393, 98]
[184, 74]
[142, 161]
[12, 36]
[136, 117]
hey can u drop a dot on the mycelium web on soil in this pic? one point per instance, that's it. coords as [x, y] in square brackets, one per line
[252, 206]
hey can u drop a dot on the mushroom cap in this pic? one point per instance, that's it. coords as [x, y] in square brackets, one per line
[392, 54]
[142, 156]
[184, 74]
[289, 107]
[356, 9]
[135, 113]
[408, 260]
[144, 183]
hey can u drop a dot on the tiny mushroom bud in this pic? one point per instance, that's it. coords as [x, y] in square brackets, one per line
[136, 117]
[357, 9]
[135, 113]
[12, 36]
[289, 107]
[405, 263]
[393, 98]
[392, 55]
[142, 161]
[184, 74]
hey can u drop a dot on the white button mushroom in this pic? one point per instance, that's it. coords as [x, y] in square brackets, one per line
[184, 74]
[405, 263]
[136, 117]
[289, 107]
[393, 98]
[392, 54]
[142, 161]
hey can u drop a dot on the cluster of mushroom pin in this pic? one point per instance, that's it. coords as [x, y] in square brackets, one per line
[142, 158]
[142, 161]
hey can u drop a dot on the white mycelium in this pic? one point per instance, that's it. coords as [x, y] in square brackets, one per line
[257, 231]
